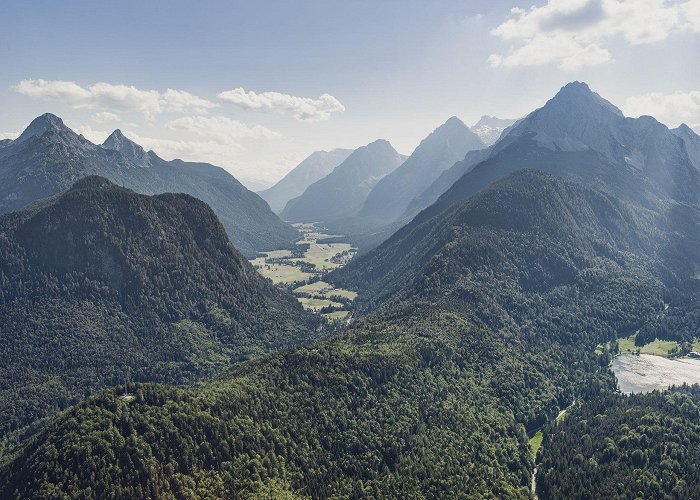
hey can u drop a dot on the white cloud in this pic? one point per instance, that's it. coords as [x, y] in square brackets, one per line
[541, 50]
[104, 117]
[9, 135]
[92, 135]
[214, 152]
[107, 96]
[670, 108]
[221, 128]
[574, 33]
[301, 108]
[213, 139]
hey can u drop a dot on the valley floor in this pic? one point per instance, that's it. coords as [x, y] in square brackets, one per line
[301, 270]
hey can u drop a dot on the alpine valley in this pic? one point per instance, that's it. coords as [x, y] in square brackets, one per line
[500, 270]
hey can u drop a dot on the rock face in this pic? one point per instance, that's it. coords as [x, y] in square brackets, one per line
[318, 165]
[490, 128]
[343, 192]
[119, 142]
[48, 157]
[691, 140]
[440, 150]
[580, 135]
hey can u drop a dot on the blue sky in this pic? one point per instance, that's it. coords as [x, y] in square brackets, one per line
[256, 86]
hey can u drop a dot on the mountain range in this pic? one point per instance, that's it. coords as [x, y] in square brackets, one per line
[48, 157]
[318, 165]
[342, 193]
[440, 150]
[577, 135]
[444, 375]
[492, 314]
[581, 135]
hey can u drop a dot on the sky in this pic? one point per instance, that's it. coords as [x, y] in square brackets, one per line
[257, 86]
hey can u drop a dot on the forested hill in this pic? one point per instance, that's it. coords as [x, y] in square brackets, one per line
[101, 283]
[428, 396]
[640, 446]
[49, 157]
[531, 217]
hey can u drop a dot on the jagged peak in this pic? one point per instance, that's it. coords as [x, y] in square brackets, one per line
[378, 145]
[379, 142]
[117, 141]
[116, 135]
[490, 120]
[684, 129]
[580, 94]
[453, 121]
[42, 124]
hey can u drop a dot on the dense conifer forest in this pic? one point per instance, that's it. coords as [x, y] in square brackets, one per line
[432, 394]
[100, 285]
[614, 446]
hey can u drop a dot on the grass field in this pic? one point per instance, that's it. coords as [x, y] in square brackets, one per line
[336, 315]
[280, 273]
[313, 288]
[536, 442]
[278, 254]
[657, 347]
[316, 304]
[317, 255]
[321, 289]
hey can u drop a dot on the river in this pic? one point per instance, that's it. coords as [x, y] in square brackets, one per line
[647, 372]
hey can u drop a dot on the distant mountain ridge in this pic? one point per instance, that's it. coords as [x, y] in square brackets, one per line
[342, 192]
[313, 168]
[446, 145]
[579, 134]
[48, 158]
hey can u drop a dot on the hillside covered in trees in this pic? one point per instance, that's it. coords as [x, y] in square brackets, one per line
[100, 283]
[614, 446]
[431, 394]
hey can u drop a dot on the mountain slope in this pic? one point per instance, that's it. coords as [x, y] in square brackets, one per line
[648, 440]
[100, 282]
[431, 194]
[446, 145]
[342, 192]
[580, 135]
[318, 165]
[489, 129]
[49, 157]
[475, 326]
[526, 199]
[691, 140]
[429, 396]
